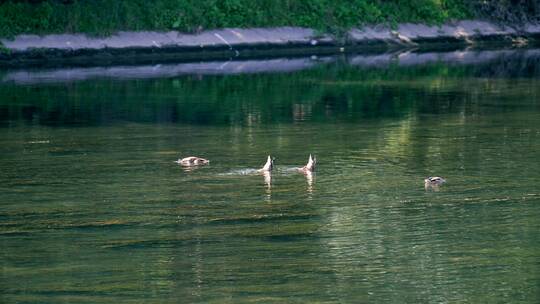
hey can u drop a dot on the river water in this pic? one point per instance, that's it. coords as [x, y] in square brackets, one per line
[93, 208]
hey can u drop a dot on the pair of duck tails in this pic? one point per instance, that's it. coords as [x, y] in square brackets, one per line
[268, 166]
[309, 167]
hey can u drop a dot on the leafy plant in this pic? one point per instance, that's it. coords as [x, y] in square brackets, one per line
[104, 17]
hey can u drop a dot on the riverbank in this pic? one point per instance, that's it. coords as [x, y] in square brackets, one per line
[134, 47]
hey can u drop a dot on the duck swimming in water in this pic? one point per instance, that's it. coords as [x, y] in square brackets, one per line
[268, 166]
[433, 182]
[310, 166]
[192, 161]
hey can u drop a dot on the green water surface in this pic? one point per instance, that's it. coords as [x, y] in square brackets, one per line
[93, 208]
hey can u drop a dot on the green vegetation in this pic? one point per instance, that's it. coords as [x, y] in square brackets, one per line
[103, 17]
[507, 11]
[3, 49]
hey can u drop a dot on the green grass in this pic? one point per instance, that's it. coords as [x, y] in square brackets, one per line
[104, 17]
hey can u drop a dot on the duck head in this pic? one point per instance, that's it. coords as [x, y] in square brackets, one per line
[201, 161]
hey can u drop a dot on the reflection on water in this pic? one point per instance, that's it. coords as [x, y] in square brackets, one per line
[94, 209]
[267, 179]
[309, 179]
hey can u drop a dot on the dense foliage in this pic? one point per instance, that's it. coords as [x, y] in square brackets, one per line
[103, 17]
[512, 11]
[106, 16]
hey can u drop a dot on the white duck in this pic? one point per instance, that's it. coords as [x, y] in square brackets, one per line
[310, 166]
[268, 166]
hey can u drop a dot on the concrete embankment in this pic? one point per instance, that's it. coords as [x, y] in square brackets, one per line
[226, 43]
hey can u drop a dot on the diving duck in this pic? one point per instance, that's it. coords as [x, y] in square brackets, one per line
[310, 166]
[193, 161]
[434, 181]
[269, 165]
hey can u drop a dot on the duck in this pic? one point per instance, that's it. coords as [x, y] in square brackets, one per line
[268, 166]
[193, 161]
[310, 166]
[434, 181]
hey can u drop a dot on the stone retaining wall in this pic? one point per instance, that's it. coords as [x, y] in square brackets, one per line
[232, 42]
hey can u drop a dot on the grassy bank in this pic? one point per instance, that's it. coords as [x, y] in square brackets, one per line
[103, 17]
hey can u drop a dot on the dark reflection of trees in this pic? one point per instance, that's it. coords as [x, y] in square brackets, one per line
[338, 92]
[511, 65]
